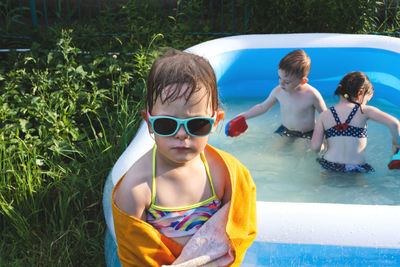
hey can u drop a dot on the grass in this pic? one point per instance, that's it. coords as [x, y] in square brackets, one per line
[66, 116]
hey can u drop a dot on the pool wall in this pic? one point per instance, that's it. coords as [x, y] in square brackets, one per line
[248, 65]
[298, 233]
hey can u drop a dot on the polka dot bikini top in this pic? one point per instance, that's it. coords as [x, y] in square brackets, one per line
[344, 129]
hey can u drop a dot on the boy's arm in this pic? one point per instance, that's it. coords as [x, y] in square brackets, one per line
[319, 102]
[318, 135]
[238, 125]
[261, 107]
[388, 120]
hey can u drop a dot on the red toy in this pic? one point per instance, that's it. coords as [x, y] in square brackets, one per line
[394, 162]
[236, 126]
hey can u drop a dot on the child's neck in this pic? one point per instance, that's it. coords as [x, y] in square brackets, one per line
[178, 171]
[168, 164]
[344, 101]
[300, 87]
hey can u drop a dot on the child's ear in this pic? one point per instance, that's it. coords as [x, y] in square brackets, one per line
[146, 119]
[304, 80]
[220, 116]
[360, 95]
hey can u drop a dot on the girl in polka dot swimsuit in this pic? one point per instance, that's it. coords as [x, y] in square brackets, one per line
[345, 129]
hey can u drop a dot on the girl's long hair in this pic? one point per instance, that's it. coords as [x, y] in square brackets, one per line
[352, 83]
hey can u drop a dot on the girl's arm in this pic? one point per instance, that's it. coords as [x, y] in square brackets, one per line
[318, 135]
[227, 190]
[132, 196]
[260, 108]
[389, 121]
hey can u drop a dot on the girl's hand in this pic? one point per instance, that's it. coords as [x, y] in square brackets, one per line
[324, 147]
[395, 160]
[395, 149]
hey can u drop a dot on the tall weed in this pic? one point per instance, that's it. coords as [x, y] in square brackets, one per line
[66, 116]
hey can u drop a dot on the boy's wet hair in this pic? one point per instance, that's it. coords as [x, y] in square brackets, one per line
[173, 70]
[352, 83]
[297, 63]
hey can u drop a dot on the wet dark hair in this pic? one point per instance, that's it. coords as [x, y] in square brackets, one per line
[352, 83]
[173, 70]
[296, 63]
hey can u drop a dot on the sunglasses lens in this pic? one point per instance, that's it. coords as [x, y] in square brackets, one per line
[164, 126]
[199, 127]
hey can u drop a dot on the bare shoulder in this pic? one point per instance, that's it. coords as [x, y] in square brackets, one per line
[375, 114]
[371, 112]
[133, 193]
[219, 174]
[312, 90]
[368, 109]
[276, 91]
[317, 99]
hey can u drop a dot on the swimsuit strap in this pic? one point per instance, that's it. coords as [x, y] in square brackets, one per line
[203, 158]
[349, 118]
[353, 112]
[153, 190]
[335, 115]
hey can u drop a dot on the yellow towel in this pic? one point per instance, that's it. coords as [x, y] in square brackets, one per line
[139, 244]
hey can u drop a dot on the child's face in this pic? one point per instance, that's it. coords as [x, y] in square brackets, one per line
[288, 82]
[182, 147]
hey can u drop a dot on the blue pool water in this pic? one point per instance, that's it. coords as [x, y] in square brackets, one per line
[285, 170]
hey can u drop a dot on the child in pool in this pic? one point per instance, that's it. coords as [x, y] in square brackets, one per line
[170, 192]
[344, 126]
[298, 100]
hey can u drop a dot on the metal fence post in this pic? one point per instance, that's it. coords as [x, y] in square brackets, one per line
[396, 22]
[33, 13]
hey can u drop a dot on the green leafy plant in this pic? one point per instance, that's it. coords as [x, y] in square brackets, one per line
[66, 115]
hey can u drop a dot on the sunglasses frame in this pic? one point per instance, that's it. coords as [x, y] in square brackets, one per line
[179, 122]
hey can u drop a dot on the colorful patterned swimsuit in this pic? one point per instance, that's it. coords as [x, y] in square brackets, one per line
[181, 221]
[344, 129]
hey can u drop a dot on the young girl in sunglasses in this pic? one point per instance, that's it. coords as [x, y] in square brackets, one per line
[182, 182]
[345, 129]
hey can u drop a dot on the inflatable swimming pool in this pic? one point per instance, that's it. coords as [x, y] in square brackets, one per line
[298, 234]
